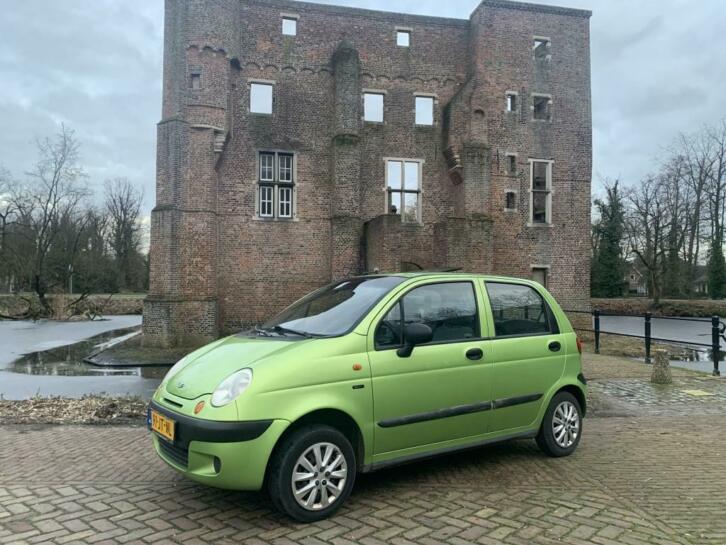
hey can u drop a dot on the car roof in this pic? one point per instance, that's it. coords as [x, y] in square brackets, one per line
[453, 275]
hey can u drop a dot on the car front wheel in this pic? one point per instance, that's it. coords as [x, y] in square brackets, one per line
[561, 427]
[312, 473]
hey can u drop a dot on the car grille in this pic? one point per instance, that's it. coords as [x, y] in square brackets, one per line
[174, 453]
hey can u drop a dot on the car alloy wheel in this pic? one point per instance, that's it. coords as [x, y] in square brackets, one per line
[319, 476]
[565, 424]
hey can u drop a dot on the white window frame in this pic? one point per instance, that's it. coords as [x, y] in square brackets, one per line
[288, 17]
[402, 191]
[266, 154]
[515, 96]
[262, 189]
[382, 94]
[262, 83]
[281, 189]
[288, 170]
[277, 185]
[549, 192]
[427, 97]
[403, 30]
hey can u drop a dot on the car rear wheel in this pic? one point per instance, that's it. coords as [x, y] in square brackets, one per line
[561, 427]
[312, 473]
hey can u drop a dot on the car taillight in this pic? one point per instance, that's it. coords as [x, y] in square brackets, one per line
[579, 345]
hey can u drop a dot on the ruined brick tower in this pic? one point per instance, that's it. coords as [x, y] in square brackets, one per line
[302, 143]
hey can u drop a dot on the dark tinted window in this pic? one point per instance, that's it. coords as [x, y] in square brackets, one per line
[519, 310]
[449, 309]
[335, 309]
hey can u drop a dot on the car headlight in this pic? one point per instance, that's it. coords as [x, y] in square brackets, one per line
[231, 387]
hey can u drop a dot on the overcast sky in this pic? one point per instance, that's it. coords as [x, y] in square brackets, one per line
[658, 68]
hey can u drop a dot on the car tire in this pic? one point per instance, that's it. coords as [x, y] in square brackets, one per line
[311, 454]
[561, 427]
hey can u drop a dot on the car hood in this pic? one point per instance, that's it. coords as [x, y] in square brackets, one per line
[203, 373]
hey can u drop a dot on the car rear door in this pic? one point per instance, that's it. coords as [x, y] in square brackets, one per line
[528, 351]
[442, 390]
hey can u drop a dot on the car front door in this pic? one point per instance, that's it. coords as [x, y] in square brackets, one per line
[528, 352]
[442, 390]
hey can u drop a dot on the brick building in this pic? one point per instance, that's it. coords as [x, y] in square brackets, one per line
[302, 143]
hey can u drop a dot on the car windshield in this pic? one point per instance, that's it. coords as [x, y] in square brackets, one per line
[334, 309]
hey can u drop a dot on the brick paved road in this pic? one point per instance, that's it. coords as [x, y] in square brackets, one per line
[649, 478]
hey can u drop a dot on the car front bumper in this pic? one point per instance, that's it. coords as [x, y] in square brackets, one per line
[231, 455]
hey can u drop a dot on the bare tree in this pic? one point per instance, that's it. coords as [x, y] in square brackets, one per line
[673, 214]
[8, 217]
[123, 206]
[52, 237]
[8, 206]
[695, 154]
[676, 200]
[716, 188]
[647, 226]
[55, 189]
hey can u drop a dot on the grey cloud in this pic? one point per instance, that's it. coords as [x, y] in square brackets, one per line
[95, 66]
[657, 69]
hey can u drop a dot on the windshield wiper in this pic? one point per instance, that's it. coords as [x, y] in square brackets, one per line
[283, 330]
[261, 331]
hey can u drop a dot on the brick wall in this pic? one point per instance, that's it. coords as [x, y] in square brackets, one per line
[216, 266]
[505, 60]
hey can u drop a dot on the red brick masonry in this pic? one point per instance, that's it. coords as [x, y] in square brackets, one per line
[217, 266]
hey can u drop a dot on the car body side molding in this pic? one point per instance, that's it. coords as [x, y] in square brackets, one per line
[435, 415]
[458, 411]
[519, 400]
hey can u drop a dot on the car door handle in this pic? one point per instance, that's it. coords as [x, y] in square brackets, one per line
[554, 346]
[474, 354]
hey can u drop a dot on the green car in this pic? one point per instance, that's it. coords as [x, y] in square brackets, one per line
[367, 373]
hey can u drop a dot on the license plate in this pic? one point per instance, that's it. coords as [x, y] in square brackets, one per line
[162, 425]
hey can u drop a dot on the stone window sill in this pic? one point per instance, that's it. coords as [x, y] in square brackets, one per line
[276, 220]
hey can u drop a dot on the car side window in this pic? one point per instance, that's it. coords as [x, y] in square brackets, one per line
[519, 310]
[449, 309]
[389, 333]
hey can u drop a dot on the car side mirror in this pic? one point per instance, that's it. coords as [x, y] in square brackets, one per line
[414, 334]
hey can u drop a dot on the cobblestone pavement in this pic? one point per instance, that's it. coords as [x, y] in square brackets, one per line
[655, 476]
[697, 396]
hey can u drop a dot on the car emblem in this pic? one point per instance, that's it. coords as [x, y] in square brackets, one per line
[180, 385]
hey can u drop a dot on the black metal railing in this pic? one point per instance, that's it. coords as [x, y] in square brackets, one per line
[718, 328]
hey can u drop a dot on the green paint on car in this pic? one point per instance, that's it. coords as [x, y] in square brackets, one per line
[370, 372]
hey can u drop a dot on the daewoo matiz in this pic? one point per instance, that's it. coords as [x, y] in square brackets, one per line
[370, 372]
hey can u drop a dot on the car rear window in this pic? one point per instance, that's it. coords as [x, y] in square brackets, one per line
[518, 309]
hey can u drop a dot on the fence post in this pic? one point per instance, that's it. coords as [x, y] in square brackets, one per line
[716, 344]
[647, 337]
[596, 315]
